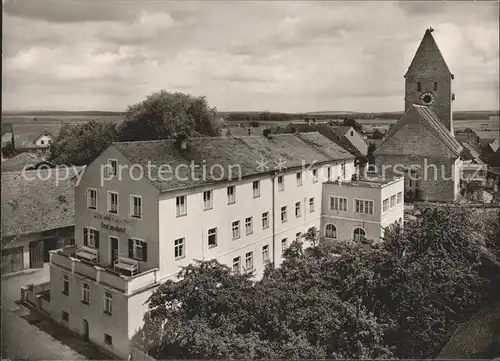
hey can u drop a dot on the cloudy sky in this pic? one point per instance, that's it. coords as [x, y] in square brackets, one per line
[277, 56]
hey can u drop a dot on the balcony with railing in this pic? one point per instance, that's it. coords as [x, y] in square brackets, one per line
[76, 260]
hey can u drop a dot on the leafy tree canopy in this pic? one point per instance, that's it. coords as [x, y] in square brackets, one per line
[353, 123]
[80, 144]
[160, 116]
[397, 298]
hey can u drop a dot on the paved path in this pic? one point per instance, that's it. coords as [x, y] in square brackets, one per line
[20, 338]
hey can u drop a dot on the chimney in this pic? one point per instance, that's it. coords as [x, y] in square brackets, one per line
[181, 141]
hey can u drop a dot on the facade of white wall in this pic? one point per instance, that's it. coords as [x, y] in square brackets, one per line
[44, 141]
[160, 227]
[346, 221]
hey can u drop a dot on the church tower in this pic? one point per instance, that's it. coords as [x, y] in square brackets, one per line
[428, 81]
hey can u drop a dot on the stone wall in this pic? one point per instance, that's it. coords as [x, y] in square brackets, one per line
[437, 183]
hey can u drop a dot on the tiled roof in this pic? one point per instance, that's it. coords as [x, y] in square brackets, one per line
[37, 205]
[20, 161]
[472, 339]
[471, 150]
[25, 135]
[227, 152]
[433, 121]
[341, 129]
[428, 45]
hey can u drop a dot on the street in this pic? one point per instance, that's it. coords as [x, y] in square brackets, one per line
[20, 338]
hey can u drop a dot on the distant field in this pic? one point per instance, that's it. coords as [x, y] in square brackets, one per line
[9, 119]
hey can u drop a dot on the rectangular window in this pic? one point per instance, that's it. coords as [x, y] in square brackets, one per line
[265, 253]
[419, 86]
[281, 183]
[329, 175]
[85, 293]
[297, 236]
[284, 242]
[65, 284]
[181, 206]
[265, 220]
[108, 340]
[136, 206]
[212, 237]
[231, 195]
[315, 175]
[363, 207]
[90, 236]
[256, 189]
[400, 197]
[283, 214]
[113, 166]
[249, 261]
[248, 225]
[385, 205]
[138, 250]
[393, 201]
[299, 179]
[236, 229]
[298, 211]
[112, 202]
[179, 248]
[108, 303]
[311, 205]
[91, 198]
[65, 316]
[207, 200]
[338, 204]
[236, 265]
[342, 167]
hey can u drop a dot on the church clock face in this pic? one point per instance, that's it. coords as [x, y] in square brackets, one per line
[427, 98]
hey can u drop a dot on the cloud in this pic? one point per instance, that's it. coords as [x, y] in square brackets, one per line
[282, 56]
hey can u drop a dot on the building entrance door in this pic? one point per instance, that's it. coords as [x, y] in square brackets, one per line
[36, 254]
[85, 331]
[114, 249]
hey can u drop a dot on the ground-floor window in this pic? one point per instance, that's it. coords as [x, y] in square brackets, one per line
[359, 234]
[65, 316]
[330, 231]
[108, 340]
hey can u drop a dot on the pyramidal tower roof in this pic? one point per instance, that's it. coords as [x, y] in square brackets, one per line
[428, 47]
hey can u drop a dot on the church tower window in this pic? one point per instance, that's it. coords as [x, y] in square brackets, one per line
[435, 86]
[419, 86]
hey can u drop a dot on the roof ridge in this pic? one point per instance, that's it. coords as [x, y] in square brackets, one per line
[428, 35]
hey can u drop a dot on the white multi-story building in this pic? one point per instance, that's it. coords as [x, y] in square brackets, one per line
[133, 232]
[361, 208]
[146, 209]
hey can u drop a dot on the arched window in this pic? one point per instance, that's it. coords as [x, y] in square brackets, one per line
[359, 234]
[435, 86]
[330, 231]
[419, 86]
[400, 220]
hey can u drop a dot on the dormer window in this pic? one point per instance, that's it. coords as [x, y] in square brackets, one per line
[435, 86]
[419, 86]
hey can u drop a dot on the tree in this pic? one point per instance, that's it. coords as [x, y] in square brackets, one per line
[377, 134]
[80, 144]
[163, 114]
[353, 123]
[160, 116]
[8, 150]
[398, 298]
[213, 313]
